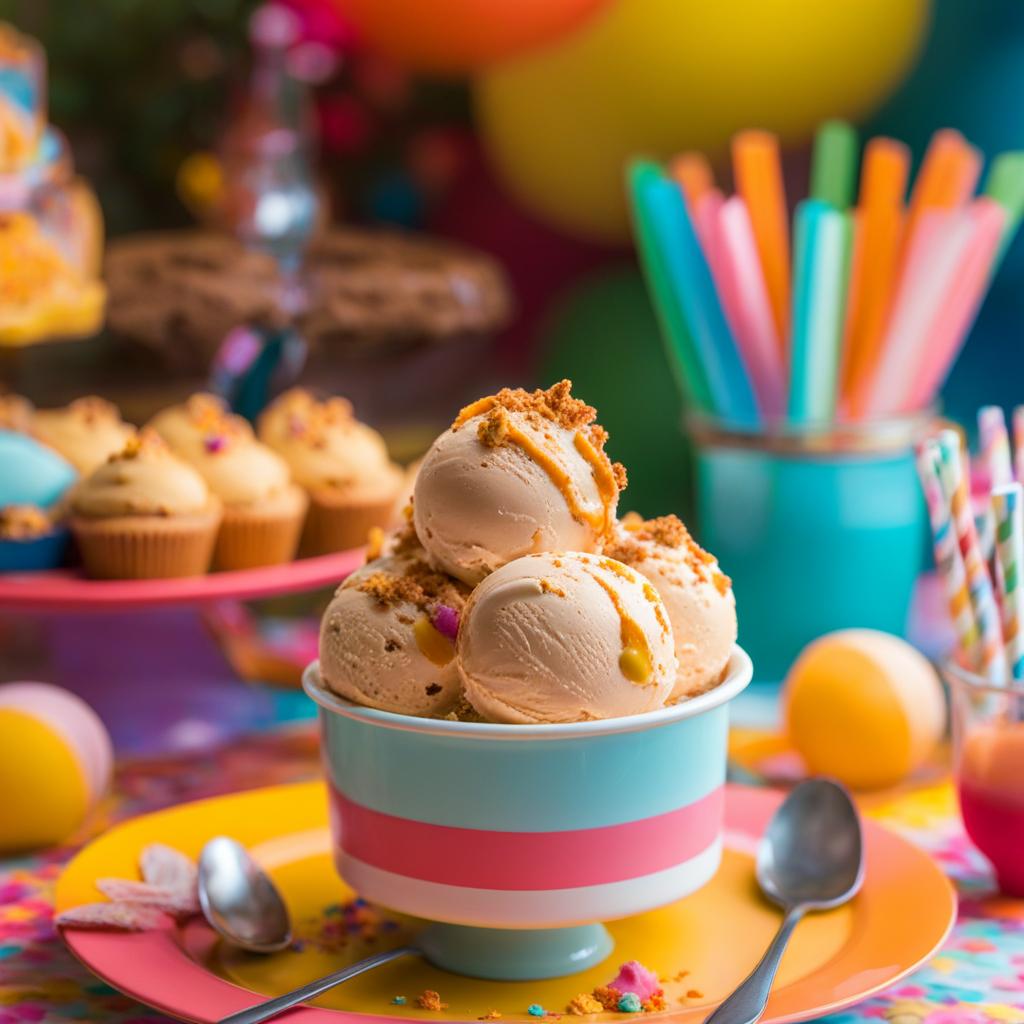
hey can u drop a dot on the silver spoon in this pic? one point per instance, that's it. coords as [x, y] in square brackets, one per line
[242, 904]
[811, 858]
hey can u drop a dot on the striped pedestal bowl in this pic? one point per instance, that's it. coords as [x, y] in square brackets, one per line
[516, 841]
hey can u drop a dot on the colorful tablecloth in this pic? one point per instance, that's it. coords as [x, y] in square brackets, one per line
[977, 977]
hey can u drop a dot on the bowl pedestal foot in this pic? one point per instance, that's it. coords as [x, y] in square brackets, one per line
[504, 954]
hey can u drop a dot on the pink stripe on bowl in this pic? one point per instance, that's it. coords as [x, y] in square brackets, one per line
[510, 861]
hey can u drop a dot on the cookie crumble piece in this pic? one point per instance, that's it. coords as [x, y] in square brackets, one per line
[583, 1004]
[428, 999]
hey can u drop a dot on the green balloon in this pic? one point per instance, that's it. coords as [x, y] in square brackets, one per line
[603, 335]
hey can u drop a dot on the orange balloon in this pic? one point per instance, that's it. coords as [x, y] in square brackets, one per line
[460, 35]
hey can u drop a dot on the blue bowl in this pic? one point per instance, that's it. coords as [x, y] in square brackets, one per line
[35, 553]
[518, 840]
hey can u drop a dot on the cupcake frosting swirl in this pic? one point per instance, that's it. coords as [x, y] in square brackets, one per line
[86, 432]
[144, 479]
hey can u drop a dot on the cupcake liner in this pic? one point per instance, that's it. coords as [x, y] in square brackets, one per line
[338, 522]
[146, 547]
[253, 537]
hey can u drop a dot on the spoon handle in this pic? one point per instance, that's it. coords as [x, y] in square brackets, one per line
[272, 1007]
[747, 1003]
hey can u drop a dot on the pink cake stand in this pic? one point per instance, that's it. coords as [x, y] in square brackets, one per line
[68, 591]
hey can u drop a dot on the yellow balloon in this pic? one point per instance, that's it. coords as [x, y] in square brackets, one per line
[653, 77]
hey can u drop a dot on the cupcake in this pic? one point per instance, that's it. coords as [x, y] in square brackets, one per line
[15, 413]
[145, 514]
[341, 463]
[86, 433]
[29, 540]
[263, 509]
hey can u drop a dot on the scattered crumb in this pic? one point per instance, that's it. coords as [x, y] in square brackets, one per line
[494, 428]
[547, 587]
[655, 1004]
[428, 999]
[619, 475]
[399, 1001]
[491, 1015]
[583, 1004]
[629, 1002]
[680, 975]
[607, 996]
[535, 1010]
[694, 993]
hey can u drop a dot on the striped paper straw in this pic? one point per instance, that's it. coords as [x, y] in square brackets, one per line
[1018, 442]
[953, 473]
[948, 559]
[1008, 509]
[995, 445]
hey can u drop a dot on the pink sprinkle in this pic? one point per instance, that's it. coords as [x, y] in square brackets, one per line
[214, 443]
[634, 977]
[446, 621]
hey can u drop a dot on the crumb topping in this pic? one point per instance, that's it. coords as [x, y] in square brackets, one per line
[144, 444]
[93, 409]
[419, 584]
[555, 404]
[428, 999]
[495, 428]
[633, 546]
[19, 522]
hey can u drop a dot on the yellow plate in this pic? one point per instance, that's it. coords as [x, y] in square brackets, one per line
[901, 917]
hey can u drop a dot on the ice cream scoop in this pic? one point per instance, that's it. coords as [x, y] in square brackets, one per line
[387, 639]
[697, 594]
[565, 638]
[518, 473]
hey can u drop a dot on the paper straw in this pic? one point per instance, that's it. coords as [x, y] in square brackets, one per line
[995, 459]
[948, 560]
[956, 306]
[878, 230]
[995, 445]
[680, 345]
[1008, 509]
[692, 172]
[1018, 442]
[728, 384]
[953, 473]
[948, 174]
[935, 257]
[746, 294]
[757, 169]
[1005, 184]
[822, 238]
[834, 164]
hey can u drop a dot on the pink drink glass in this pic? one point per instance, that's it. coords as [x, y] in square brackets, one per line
[988, 751]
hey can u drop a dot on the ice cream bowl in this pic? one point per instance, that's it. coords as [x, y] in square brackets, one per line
[517, 841]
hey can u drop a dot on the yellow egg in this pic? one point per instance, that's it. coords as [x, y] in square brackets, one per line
[55, 764]
[864, 707]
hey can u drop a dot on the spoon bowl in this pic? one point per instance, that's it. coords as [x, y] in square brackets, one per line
[812, 852]
[238, 899]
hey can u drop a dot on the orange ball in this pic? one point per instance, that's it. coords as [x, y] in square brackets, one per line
[864, 707]
[461, 35]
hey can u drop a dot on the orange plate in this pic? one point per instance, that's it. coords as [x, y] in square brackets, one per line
[899, 920]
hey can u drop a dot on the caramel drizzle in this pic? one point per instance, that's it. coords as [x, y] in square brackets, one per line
[632, 636]
[600, 468]
[649, 592]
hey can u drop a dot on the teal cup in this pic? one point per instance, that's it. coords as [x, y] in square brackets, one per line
[820, 529]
